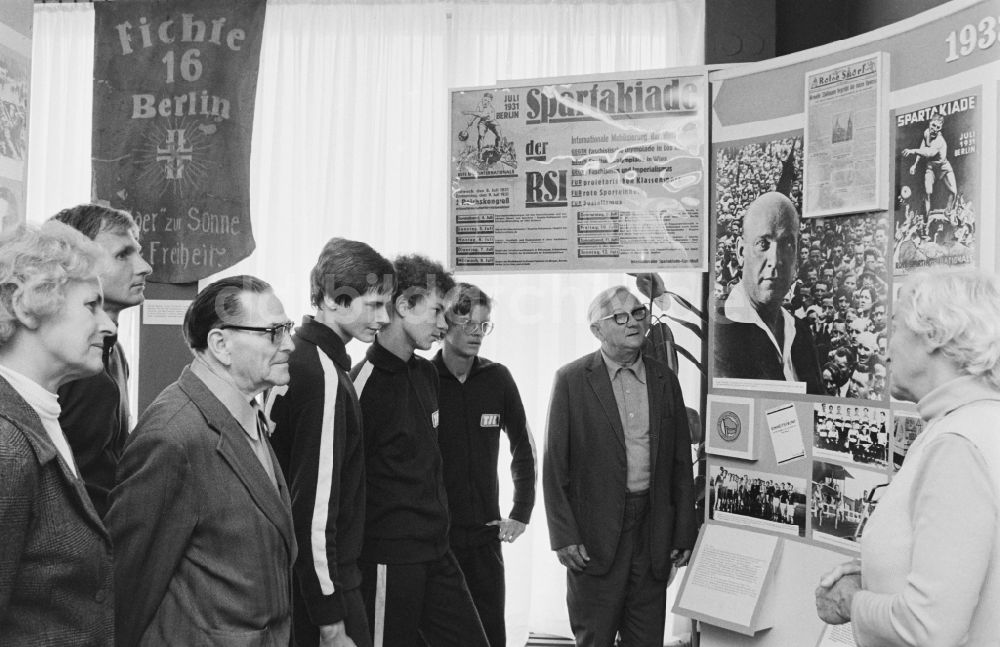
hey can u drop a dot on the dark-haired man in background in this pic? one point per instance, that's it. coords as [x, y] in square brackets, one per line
[95, 410]
[318, 438]
[200, 517]
[412, 584]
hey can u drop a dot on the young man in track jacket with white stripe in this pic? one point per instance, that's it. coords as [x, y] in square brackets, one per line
[319, 443]
[412, 584]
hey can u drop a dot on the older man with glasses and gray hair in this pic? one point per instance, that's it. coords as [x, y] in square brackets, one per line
[617, 479]
[201, 517]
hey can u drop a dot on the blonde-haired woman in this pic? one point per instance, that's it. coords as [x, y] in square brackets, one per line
[56, 577]
[929, 573]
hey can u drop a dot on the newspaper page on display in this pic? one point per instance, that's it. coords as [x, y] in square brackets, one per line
[844, 104]
[587, 174]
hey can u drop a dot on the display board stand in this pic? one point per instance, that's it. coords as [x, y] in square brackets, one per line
[729, 581]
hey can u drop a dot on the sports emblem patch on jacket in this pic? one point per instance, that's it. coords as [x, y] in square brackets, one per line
[489, 420]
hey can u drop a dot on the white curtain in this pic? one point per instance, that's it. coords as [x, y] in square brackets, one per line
[350, 139]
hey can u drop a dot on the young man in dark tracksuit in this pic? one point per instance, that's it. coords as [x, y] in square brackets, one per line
[414, 590]
[94, 410]
[478, 398]
[318, 440]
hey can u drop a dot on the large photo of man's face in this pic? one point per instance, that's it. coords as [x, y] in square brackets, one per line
[797, 301]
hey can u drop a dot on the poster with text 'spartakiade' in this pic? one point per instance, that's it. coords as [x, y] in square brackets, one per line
[589, 174]
[937, 182]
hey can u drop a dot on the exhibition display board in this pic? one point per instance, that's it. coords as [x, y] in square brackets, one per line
[880, 145]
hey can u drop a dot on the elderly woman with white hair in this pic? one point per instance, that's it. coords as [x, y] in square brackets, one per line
[56, 572]
[929, 573]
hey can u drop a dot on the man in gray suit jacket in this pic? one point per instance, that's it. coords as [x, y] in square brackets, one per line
[200, 517]
[617, 479]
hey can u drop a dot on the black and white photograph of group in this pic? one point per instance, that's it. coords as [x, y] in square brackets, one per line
[833, 277]
[855, 433]
[905, 429]
[843, 497]
[759, 499]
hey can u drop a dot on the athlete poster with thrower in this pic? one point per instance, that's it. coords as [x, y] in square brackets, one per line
[937, 183]
[582, 174]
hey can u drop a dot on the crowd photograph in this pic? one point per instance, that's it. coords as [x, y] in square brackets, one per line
[828, 280]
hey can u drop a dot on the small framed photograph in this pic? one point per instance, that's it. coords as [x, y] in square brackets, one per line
[730, 431]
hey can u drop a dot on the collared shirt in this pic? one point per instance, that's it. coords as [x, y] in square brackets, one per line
[739, 309]
[629, 384]
[242, 409]
[46, 405]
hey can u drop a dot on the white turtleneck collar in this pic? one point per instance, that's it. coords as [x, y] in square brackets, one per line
[46, 405]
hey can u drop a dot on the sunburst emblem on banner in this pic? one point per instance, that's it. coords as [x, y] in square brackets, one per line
[172, 157]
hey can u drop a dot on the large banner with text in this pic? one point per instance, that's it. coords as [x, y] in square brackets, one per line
[586, 174]
[174, 87]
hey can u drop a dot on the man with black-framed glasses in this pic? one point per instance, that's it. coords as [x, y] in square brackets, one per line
[201, 517]
[477, 399]
[618, 479]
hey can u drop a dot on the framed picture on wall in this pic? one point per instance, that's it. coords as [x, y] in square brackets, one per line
[845, 137]
[730, 430]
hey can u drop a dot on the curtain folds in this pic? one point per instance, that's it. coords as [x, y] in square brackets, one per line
[350, 139]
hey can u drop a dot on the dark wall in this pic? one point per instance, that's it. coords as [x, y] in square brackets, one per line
[740, 31]
[866, 15]
[801, 25]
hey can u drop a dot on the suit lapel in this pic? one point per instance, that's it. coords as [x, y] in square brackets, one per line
[235, 450]
[81, 499]
[21, 414]
[597, 376]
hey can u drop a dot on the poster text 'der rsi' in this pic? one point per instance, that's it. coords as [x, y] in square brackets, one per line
[582, 174]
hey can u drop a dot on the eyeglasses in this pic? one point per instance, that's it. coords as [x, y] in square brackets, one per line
[621, 318]
[277, 331]
[470, 327]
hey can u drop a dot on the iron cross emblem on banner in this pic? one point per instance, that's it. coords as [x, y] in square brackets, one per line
[175, 153]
